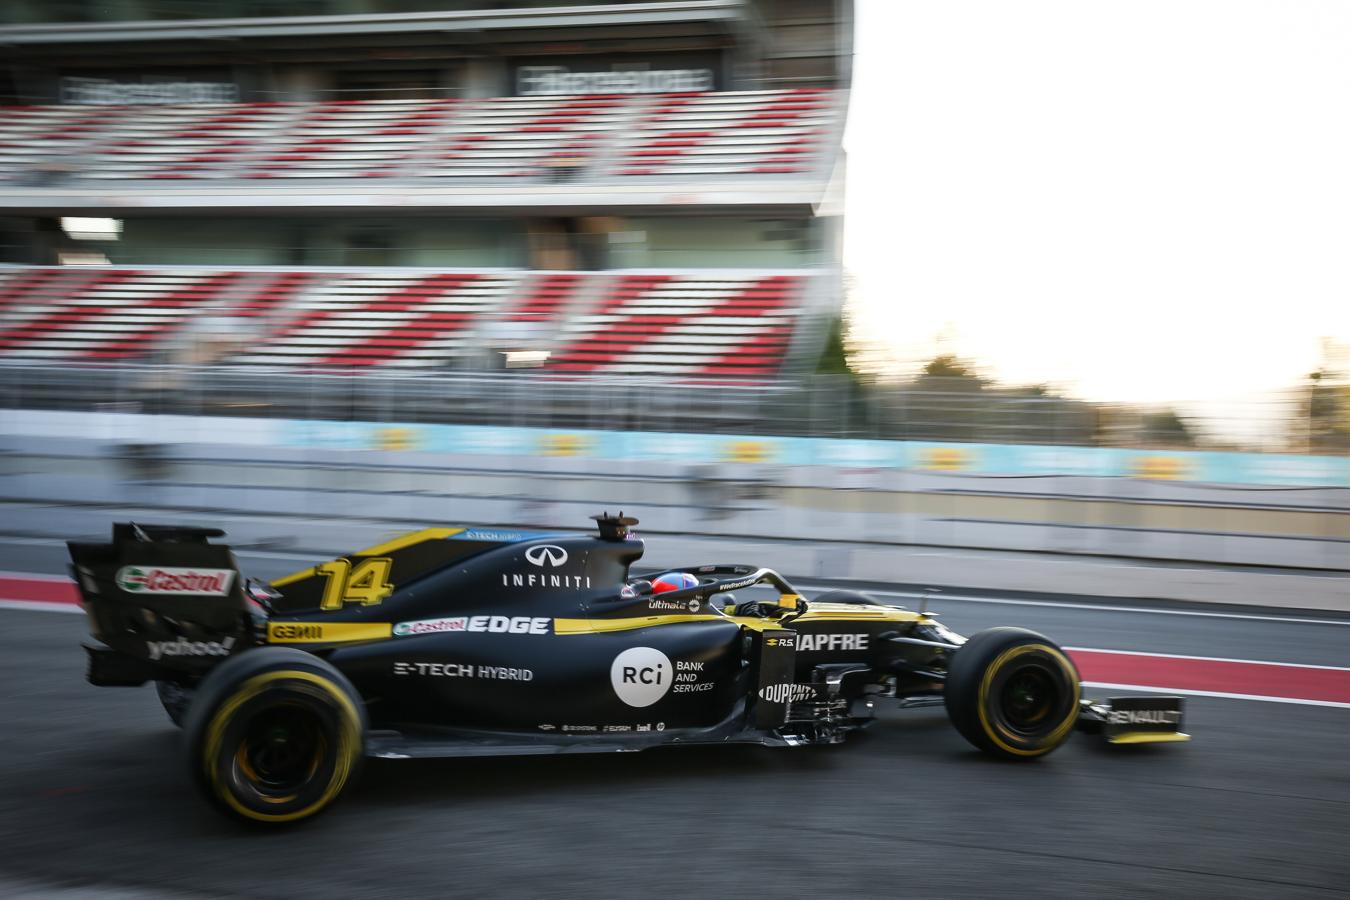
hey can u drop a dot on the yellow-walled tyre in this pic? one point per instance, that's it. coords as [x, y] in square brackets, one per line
[275, 735]
[1012, 693]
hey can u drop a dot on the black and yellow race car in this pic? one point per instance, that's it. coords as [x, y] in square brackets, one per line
[489, 641]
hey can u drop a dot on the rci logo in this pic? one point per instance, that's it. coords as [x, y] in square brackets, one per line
[641, 675]
[546, 555]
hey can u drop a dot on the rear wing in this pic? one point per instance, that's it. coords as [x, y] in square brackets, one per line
[164, 594]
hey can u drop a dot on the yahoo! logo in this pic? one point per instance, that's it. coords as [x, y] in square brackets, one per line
[550, 555]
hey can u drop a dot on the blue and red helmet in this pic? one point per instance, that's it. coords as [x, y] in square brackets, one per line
[673, 581]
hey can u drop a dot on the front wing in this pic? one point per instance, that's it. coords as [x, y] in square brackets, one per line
[1135, 720]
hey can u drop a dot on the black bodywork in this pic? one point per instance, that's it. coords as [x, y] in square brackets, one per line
[478, 641]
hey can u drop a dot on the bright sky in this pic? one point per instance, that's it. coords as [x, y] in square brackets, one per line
[1144, 201]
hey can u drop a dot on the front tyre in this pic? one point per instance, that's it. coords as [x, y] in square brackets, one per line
[1012, 693]
[275, 735]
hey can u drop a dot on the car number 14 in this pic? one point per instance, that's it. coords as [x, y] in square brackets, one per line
[367, 582]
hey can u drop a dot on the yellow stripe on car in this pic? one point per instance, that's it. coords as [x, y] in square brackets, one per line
[847, 612]
[417, 537]
[326, 632]
[830, 613]
[1148, 737]
[294, 577]
[398, 543]
[594, 626]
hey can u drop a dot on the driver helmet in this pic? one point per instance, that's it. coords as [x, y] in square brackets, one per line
[673, 581]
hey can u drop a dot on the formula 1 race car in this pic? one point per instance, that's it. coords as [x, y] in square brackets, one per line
[483, 641]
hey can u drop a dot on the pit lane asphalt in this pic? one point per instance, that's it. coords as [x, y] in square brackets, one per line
[94, 796]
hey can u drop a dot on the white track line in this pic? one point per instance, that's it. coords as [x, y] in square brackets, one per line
[938, 597]
[1219, 694]
[1249, 662]
[908, 595]
[40, 606]
[935, 597]
[56, 542]
[35, 576]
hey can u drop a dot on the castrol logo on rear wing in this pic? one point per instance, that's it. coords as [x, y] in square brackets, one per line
[164, 580]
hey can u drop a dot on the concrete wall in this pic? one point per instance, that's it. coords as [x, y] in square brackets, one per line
[1065, 515]
[1103, 536]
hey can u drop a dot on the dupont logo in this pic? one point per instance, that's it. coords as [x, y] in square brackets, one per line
[787, 693]
[158, 580]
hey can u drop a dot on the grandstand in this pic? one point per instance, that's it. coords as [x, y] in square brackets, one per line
[595, 138]
[368, 187]
[676, 324]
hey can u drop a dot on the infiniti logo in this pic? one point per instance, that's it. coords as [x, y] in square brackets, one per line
[546, 555]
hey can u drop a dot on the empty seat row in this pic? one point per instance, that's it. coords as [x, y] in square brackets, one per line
[689, 324]
[685, 326]
[747, 132]
[757, 132]
[404, 321]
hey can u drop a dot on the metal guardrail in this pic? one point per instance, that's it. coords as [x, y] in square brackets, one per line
[813, 406]
[502, 399]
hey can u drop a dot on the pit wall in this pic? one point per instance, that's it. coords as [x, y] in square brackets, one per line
[789, 502]
[1200, 467]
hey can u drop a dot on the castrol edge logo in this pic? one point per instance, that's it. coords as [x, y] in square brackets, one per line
[165, 580]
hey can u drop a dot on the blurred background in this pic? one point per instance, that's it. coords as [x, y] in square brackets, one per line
[1041, 304]
[385, 263]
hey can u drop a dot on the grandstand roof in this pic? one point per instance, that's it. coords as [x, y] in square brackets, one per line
[708, 15]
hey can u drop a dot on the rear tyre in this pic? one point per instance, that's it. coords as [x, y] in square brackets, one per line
[1012, 693]
[175, 699]
[275, 735]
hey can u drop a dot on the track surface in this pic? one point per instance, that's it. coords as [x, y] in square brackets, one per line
[94, 796]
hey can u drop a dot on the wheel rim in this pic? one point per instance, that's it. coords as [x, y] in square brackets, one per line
[282, 746]
[1029, 698]
[281, 749]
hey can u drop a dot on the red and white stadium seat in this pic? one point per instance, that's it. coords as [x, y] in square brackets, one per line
[718, 133]
[68, 315]
[547, 296]
[395, 320]
[742, 133]
[685, 326]
[522, 136]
